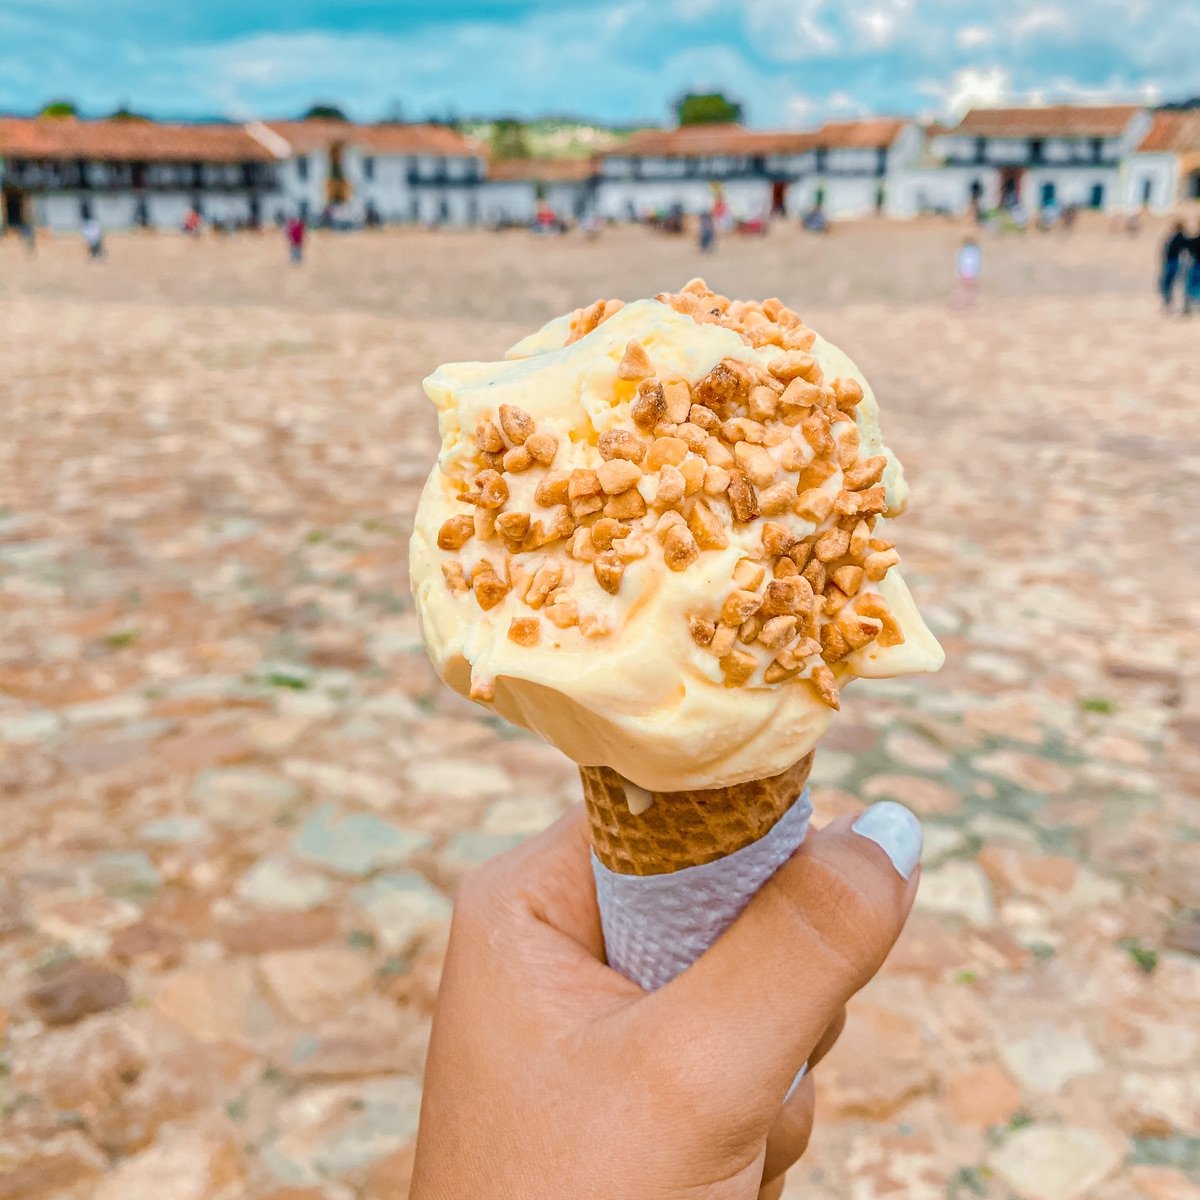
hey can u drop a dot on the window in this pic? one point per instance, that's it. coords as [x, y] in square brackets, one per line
[368, 167]
[1036, 148]
[1097, 149]
[1049, 194]
[980, 149]
[1096, 199]
[302, 167]
[1147, 190]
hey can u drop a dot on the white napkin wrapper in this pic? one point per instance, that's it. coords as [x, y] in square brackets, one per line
[657, 925]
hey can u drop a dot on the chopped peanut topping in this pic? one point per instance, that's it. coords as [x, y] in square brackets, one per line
[799, 393]
[618, 476]
[794, 364]
[776, 500]
[635, 363]
[748, 574]
[742, 498]
[650, 407]
[605, 530]
[692, 436]
[777, 632]
[455, 533]
[513, 527]
[815, 474]
[872, 502]
[563, 613]
[776, 538]
[757, 463]
[493, 491]
[671, 485]
[738, 666]
[455, 577]
[723, 641]
[628, 506]
[703, 417]
[488, 439]
[678, 398]
[621, 444]
[706, 527]
[582, 548]
[692, 469]
[518, 459]
[813, 504]
[739, 605]
[865, 473]
[664, 450]
[848, 578]
[849, 393]
[553, 488]
[679, 548]
[608, 569]
[717, 454]
[832, 544]
[488, 587]
[701, 630]
[815, 428]
[543, 447]
[826, 685]
[787, 597]
[516, 423]
[524, 630]
[877, 564]
[716, 481]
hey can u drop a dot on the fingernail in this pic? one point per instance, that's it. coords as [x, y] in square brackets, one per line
[895, 831]
[796, 1082]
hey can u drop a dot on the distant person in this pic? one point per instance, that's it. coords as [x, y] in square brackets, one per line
[295, 233]
[970, 267]
[192, 222]
[708, 232]
[591, 225]
[1174, 249]
[29, 236]
[1191, 295]
[93, 237]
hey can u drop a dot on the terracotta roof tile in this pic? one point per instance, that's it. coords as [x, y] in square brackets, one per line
[1056, 120]
[542, 170]
[379, 139]
[127, 140]
[1173, 133]
[704, 140]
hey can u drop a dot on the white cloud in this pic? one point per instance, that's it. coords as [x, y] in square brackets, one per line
[972, 37]
[1040, 21]
[798, 110]
[790, 30]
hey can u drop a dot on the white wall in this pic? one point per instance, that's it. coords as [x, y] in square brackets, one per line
[1072, 185]
[1157, 172]
[747, 198]
[942, 189]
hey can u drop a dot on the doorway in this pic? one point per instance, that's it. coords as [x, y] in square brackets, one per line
[1010, 186]
[14, 208]
[779, 191]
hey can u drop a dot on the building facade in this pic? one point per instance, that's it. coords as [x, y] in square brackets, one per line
[1163, 172]
[1038, 158]
[844, 169]
[60, 172]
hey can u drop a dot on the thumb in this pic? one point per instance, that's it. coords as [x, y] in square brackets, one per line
[758, 1001]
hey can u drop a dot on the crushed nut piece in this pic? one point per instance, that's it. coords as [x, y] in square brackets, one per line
[513, 528]
[627, 506]
[814, 572]
[776, 499]
[558, 524]
[793, 364]
[848, 578]
[834, 646]
[608, 569]
[763, 403]
[787, 597]
[525, 631]
[455, 532]
[865, 473]
[871, 604]
[858, 631]
[716, 481]
[777, 632]
[545, 580]
[749, 629]
[621, 444]
[872, 502]
[593, 625]
[635, 363]
[488, 587]
[737, 666]
[664, 450]
[859, 541]
[815, 428]
[799, 393]
[706, 527]
[848, 447]
[518, 459]
[618, 476]
[563, 612]
[582, 547]
[583, 482]
[776, 538]
[584, 506]
[813, 504]
[666, 522]
[493, 491]
[705, 418]
[748, 574]
[877, 564]
[605, 530]
[832, 544]
[723, 640]
[757, 463]
[455, 577]
[543, 447]
[488, 439]
[671, 485]
[815, 474]
[679, 548]
[849, 393]
[629, 548]
[701, 630]
[723, 388]
[553, 488]
[846, 504]
[825, 682]
[784, 568]
[678, 399]
[693, 469]
[692, 435]
[743, 499]
[742, 429]
[516, 423]
[650, 407]
[739, 605]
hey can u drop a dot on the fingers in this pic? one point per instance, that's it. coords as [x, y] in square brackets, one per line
[789, 1135]
[547, 877]
[763, 996]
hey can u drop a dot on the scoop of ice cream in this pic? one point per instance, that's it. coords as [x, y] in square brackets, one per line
[658, 535]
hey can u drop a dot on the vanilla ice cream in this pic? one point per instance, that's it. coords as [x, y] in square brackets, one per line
[658, 535]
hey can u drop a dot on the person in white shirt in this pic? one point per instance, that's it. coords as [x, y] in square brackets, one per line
[970, 267]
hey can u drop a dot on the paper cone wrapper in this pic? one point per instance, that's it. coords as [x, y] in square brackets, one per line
[672, 877]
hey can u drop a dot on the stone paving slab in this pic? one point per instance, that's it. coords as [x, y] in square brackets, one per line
[235, 804]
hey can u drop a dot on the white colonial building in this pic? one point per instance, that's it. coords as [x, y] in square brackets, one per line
[1164, 170]
[844, 169]
[1037, 158]
[60, 171]
[377, 173]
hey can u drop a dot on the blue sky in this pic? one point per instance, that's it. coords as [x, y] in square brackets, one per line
[792, 62]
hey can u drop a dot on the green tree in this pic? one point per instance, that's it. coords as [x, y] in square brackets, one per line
[125, 113]
[60, 108]
[706, 108]
[509, 140]
[324, 112]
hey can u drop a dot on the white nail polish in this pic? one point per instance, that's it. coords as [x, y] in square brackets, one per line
[796, 1082]
[895, 831]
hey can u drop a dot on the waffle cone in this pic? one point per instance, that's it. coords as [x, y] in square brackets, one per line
[683, 829]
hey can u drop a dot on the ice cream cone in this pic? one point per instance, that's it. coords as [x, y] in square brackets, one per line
[682, 829]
